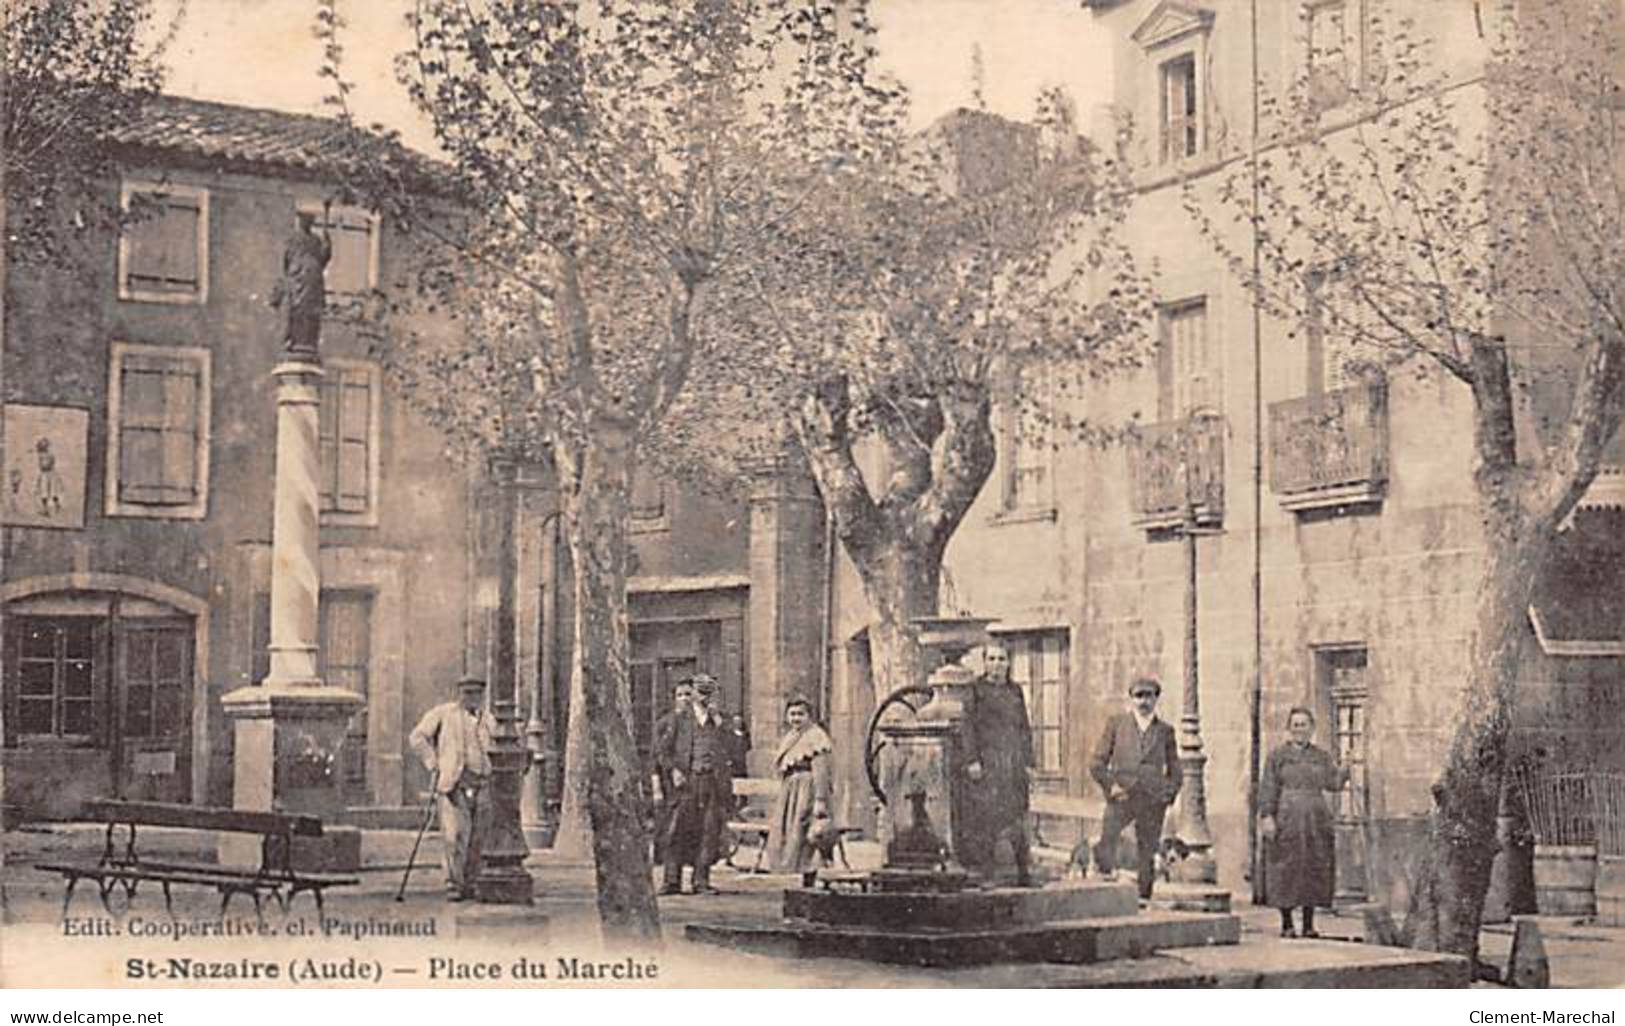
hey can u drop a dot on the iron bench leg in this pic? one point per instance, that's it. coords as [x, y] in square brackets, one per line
[67, 896]
[106, 885]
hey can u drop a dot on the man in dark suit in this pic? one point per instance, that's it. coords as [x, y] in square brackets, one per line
[1137, 764]
[694, 753]
[682, 695]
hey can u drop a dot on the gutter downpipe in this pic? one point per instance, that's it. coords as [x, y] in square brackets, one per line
[1255, 698]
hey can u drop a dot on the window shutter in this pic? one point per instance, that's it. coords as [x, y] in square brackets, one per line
[164, 244]
[141, 423]
[648, 496]
[1167, 400]
[352, 255]
[1193, 362]
[178, 238]
[354, 423]
[159, 406]
[345, 435]
[181, 398]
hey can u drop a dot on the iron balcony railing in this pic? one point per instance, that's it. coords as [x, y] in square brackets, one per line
[1156, 457]
[1331, 448]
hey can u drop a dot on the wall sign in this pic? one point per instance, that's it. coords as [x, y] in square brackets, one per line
[44, 482]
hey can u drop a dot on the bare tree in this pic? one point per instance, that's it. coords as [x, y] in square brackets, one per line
[620, 169]
[1469, 229]
[975, 266]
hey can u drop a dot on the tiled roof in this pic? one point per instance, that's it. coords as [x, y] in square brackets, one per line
[245, 136]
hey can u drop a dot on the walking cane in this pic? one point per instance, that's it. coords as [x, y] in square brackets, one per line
[428, 814]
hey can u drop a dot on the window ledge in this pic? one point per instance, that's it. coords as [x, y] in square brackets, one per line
[1362, 493]
[1207, 519]
[195, 511]
[129, 295]
[53, 743]
[334, 518]
[1024, 515]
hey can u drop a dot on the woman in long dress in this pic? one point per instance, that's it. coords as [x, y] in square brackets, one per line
[1296, 822]
[800, 832]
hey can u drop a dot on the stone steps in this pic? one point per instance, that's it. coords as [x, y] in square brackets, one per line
[1081, 941]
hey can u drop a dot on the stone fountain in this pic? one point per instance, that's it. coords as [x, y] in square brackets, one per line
[918, 908]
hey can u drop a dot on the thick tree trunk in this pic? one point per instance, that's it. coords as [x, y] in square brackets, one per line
[574, 838]
[1447, 903]
[595, 482]
[900, 584]
[939, 461]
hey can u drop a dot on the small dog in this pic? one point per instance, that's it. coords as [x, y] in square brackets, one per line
[1077, 864]
[1170, 853]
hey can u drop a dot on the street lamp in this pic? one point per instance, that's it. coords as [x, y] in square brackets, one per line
[1199, 866]
[536, 735]
[502, 879]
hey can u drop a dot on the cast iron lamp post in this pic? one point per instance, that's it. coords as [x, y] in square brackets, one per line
[1199, 866]
[502, 879]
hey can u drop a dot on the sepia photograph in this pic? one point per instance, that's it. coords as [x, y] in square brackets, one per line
[813, 494]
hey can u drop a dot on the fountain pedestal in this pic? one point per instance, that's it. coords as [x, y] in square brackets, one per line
[917, 909]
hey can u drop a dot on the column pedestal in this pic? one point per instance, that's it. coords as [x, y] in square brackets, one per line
[289, 729]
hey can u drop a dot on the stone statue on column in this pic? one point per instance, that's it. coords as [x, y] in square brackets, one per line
[303, 287]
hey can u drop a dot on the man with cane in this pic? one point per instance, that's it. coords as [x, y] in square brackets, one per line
[454, 742]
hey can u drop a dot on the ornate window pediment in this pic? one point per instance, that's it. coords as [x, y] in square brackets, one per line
[1171, 21]
[1175, 39]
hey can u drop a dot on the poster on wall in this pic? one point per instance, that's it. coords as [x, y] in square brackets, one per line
[44, 483]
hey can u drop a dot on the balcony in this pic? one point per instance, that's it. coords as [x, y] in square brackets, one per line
[1330, 449]
[1607, 490]
[1157, 472]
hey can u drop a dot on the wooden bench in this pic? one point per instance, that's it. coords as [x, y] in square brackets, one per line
[750, 823]
[127, 869]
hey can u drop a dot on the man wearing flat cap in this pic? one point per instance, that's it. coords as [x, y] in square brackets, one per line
[453, 740]
[694, 753]
[1137, 764]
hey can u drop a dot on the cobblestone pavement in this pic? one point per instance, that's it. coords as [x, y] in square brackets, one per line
[1581, 955]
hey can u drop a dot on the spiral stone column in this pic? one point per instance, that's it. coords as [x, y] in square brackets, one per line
[290, 727]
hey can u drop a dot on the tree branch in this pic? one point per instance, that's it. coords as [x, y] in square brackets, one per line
[821, 425]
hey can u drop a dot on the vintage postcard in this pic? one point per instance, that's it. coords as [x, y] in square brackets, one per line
[812, 494]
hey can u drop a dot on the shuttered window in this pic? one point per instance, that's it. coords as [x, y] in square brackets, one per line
[344, 660]
[1189, 363]
[159, 407]
[163, 248]
[348, 434]
[1181, 124]
[354, 234]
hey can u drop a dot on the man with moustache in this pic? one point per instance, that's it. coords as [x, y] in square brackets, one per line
[695, 752]
[1136, 764]
[453, 741]
[682, 697]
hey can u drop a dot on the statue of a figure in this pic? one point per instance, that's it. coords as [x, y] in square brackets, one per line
[304, 287]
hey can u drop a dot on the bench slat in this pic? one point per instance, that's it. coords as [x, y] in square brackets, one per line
[755, 787]
[181, 872]
[171, 814]
[1064, 805]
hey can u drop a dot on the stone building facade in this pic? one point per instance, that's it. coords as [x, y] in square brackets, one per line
[139, 440]
[1341, 559]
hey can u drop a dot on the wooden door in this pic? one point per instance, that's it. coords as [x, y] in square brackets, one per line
[1346, 691]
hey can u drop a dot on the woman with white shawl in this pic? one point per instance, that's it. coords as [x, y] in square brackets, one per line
[801, 834]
